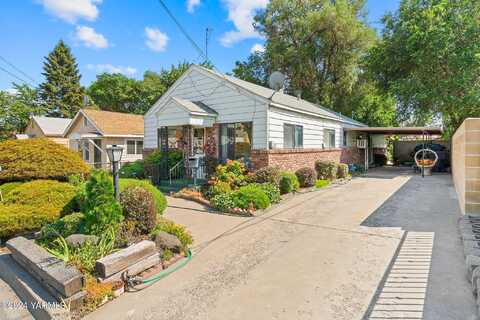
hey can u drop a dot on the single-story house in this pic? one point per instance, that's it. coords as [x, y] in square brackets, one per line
[47, 127]
[211, 114]
[91, 131]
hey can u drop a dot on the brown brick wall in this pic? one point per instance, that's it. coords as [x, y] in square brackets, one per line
[294, 159]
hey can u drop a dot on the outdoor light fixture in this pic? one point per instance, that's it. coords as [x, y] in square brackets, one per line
[114, 153]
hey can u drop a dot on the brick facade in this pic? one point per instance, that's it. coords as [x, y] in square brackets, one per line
[294, 159]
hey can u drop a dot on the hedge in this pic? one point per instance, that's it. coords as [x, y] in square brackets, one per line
[288, 182]
[30, 159]
[342, 171]
[16, 219]
[6, 188]
[160, 201]
[326, 170]
[306, 177]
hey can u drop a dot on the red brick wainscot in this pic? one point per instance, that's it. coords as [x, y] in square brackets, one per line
[294, 159]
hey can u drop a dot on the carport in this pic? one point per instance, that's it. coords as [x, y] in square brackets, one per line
[375, 141]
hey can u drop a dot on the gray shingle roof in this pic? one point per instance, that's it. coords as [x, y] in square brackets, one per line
[52, 126]
[195, 106]
[285, 99]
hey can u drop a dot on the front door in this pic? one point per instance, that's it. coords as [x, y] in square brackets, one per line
[97, 153]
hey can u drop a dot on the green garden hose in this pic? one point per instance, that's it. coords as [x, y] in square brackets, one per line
[137, 283]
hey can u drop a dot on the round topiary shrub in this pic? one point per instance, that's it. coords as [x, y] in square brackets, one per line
[160, 201]
[18, 219]
[139, 205]
[269, 174]
[288, 182]
[342, 171]
[306, 177]
[251, 196]
[31, 159]
[326, 170]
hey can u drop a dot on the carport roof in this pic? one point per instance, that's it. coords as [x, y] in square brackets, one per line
[399, 130]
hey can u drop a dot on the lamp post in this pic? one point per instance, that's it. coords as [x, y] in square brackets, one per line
[114, 153]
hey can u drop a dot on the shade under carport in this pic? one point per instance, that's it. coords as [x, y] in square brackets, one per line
[399, 130]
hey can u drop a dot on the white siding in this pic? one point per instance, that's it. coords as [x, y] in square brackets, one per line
[232, 105]
[312, 128]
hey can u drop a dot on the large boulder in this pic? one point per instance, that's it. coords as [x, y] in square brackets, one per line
[168, 241]
[77, 240]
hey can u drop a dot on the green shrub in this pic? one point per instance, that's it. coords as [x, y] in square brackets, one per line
[138, 205]
[218, 188]
[156, 157]
[17, 219]
[251, 196]
[326, 170]
[342, 171]
[127, 233]
[306, 177]
[321, 183]
[64, 227]
[288, 182]
[134, 169]
[100, 208]
[272, 192]
[160, 201]
[269, 174]
[31, 159]
[40, 193]
[223, 201]
[177, 230]
[6, 188]
[233, 173]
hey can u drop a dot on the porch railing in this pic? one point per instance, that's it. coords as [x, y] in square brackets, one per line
[181, 170]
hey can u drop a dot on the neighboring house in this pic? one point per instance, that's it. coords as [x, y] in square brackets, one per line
[91, 131]
[46, 127]
[212, 114]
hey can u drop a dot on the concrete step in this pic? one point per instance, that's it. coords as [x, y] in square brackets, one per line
[38, 302]
[11, 307]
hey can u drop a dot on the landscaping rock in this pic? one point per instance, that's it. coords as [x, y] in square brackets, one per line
[77, 240]
[124, 258]
[164, 240]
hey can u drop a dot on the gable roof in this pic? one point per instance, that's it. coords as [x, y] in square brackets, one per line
[195, 107]
[52, 126]
[282, 99]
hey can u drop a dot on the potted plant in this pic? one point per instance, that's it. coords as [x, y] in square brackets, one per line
[118, 288]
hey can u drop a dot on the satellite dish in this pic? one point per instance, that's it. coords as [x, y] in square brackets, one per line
[276, 80]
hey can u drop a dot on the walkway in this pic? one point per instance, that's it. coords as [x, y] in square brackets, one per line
[332, 254]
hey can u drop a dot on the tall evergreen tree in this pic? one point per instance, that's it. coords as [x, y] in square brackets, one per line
[61, 91]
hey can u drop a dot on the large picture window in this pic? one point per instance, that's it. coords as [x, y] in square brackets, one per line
[329, 138]
[134, 146]
[292, 136]
[235, 141]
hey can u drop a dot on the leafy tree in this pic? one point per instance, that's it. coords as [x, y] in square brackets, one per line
[255, 70]
[318, 44]
[16, 109]
[61, 91]
[429, 60]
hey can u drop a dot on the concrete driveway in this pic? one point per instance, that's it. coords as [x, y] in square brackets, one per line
[383, 246]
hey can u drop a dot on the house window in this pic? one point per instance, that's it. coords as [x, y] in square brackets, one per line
[198, 140]
[235, 141]
[134, 146]
[175, 137]
[328, 138]
[292, 136]
[345, 137]
[86, 151]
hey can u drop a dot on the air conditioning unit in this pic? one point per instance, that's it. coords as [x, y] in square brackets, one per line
[362, 143]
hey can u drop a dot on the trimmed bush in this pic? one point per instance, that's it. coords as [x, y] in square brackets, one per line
[177, 230]
[269, 174]
[251, 196]
[31, 159]
[160, 201]
[64, 227]
[138, 205]
[100, 208]
[321, 183]
[218, 188]
[6, 188]
[272, 192]
[41, 193]
[326, 170]
[223, 201]
[233, 173]
[342, 171]
[306, 177]
[17, 219]
[134, 169]
[288, 182]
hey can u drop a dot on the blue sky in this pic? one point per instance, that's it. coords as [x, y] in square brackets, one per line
[131, 36]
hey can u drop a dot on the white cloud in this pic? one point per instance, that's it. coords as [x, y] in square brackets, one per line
[257, 47]
[191, 4]
[72, 10]
[241, 13]
[156, 40]
[99, 68]
[90, 38]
